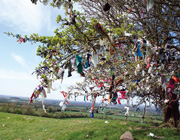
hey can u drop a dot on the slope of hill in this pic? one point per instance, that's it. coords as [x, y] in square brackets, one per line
[22, 127]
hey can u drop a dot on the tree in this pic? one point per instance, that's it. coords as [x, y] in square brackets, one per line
[5, 107]
[102, 45]
[13, 107]
[160, 23]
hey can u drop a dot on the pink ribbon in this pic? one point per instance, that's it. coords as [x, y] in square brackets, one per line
[121, 97]
[119, 100]
[21, 40]
[120, 45]
[100, 85]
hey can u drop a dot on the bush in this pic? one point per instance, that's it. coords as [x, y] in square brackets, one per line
[36, 114]
[30, 111]
[5, 107]
[18, 111]
[51, 109]
[58, 115]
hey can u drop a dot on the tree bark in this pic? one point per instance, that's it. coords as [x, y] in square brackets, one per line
[171, 113]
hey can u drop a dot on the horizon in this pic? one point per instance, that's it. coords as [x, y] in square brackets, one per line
[83, 102]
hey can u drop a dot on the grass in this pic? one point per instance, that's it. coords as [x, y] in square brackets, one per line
[22, 127]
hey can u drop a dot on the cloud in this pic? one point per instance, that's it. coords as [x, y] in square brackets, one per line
[19, 59]
[13, 75]
[24, 16]
[22, 84]
[73, 79]
[78, 7]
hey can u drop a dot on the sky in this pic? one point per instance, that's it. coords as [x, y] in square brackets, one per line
[18, 61]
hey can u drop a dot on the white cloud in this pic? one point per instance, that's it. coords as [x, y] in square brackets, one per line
[78, 7]
[73, 79]
[19, 59]
[15, 83]
[23, 15]
[22, 84]
[10, 75]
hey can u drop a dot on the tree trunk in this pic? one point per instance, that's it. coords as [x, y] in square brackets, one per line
[143, 116]
[171, 113]
[165, 113]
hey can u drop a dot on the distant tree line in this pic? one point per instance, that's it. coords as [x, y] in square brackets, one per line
[52, 111]
[36, 110]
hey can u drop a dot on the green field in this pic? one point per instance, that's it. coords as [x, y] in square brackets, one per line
[22, 127]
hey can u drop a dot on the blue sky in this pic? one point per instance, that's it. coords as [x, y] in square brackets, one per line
[18, 61]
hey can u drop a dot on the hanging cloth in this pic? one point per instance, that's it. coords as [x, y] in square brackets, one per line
[123, 96]
[63, 105]
[119, 100]
[88, 57]
[95, 60]
[175, 79]
[85, 98]
[150, 4]
[69, 67]
[45, 2]
[61, 73]
[127, 110]
[43, 95]
[34, 1]
[94, 101]
[86, 65]
[79, 64]
[118, 82]
[106, 7]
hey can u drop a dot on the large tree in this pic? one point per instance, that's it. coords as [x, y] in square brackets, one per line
[102, 43]
[160, 24]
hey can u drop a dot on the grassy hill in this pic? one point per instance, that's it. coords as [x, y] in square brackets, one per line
[22, 127]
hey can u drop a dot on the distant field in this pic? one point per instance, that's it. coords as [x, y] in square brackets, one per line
[22, 127]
